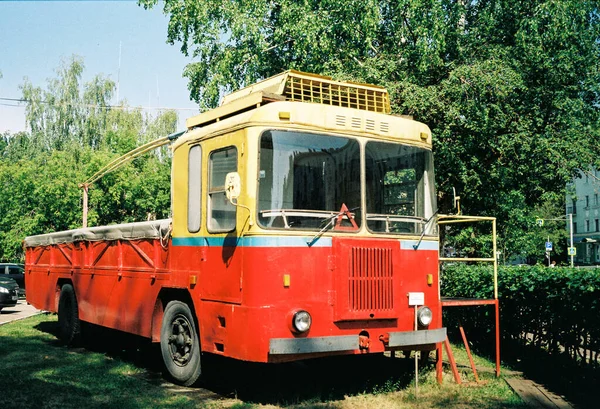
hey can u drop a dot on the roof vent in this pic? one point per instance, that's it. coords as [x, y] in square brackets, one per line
[305, 87]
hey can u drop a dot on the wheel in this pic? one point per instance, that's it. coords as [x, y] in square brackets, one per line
[179, 344]
[68, 316]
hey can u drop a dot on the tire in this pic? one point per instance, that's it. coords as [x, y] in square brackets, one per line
[180, 344]
[68, 316]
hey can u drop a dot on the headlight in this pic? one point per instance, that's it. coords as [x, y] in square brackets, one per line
[3, 290]
[424, 315]
[301, 321]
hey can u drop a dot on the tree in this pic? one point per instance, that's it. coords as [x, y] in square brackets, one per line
[509, 89]
[73, 132]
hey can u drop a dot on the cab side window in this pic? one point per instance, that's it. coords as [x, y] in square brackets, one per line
[194, 189]
[221, 213]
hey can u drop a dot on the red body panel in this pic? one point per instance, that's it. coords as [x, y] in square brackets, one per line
[240, 298]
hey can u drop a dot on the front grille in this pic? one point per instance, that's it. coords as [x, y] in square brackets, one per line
[370, 280]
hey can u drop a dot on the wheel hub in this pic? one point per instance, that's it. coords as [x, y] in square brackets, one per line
[180, 341]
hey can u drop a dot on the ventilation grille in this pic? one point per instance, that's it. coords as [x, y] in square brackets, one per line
[324, 91]
[370, 281]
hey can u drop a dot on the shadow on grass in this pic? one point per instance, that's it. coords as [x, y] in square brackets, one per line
[38, 372]
[320, 380]
[323, 379]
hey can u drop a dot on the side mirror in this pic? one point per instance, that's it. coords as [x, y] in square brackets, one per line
[233, 186]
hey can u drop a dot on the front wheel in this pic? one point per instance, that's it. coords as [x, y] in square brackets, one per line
[180, 344]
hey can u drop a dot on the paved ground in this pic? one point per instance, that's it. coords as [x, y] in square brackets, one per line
[536, 395]
[18, 312]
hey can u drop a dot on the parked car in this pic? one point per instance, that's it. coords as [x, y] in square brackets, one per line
[9, 292]
[16, 272]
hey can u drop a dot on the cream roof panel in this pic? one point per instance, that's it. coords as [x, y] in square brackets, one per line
[323, 118]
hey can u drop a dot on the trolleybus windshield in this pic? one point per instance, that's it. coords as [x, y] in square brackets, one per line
[306, 179]
[400, 188]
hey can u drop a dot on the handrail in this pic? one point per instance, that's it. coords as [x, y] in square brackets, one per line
[451, 219]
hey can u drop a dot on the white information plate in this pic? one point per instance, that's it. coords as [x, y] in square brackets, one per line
[416, 299]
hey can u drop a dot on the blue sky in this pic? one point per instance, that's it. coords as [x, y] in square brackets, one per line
[35, 35]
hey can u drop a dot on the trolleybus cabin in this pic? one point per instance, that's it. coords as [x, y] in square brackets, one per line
[301, 227]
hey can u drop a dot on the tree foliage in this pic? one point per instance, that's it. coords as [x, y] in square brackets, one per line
[509, 89]
[73, 132]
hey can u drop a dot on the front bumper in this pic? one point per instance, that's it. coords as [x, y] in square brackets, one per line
[286, 346]
[8, 300]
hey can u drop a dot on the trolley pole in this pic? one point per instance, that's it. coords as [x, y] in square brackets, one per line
[571, 234]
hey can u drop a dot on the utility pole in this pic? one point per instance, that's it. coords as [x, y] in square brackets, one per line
[571, 234]
[548, 252]
[85, 187]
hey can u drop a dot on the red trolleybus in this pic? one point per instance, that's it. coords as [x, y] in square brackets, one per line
[301, 227]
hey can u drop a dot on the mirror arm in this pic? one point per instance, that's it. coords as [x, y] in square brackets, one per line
[234, 202]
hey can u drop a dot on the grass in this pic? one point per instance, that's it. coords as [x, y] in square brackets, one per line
[121, 371]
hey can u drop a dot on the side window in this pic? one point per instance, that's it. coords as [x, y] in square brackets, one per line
[14, 270]
[194, 189]
[221, 213]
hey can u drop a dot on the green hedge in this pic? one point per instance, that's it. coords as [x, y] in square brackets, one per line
[557, 309]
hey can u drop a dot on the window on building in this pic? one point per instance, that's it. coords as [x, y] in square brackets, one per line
[597, 225]
[221, 212]
[596, 199]
[194, 188]
[574, 206]
[587, 226]
[587, 201]
[574, 228]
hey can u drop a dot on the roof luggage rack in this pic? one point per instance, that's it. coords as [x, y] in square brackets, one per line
[298, 86]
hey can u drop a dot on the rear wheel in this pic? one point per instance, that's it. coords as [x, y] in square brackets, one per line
[68, 316]
[180, 344]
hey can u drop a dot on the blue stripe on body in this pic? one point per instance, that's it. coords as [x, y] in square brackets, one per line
[264, 241]
[282, 241]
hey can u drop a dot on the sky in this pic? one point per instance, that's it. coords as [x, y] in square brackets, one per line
[36, 35]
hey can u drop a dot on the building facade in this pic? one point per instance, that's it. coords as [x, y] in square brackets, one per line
[583, 201]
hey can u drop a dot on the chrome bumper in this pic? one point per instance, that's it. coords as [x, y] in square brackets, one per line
[281, 346]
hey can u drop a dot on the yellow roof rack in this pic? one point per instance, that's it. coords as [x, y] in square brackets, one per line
[298, 86]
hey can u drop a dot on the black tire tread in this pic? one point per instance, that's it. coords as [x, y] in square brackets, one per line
[189, 374]
[68, 316]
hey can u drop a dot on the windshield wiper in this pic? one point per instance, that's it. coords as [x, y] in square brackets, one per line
[416, 246]
[331, 222]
